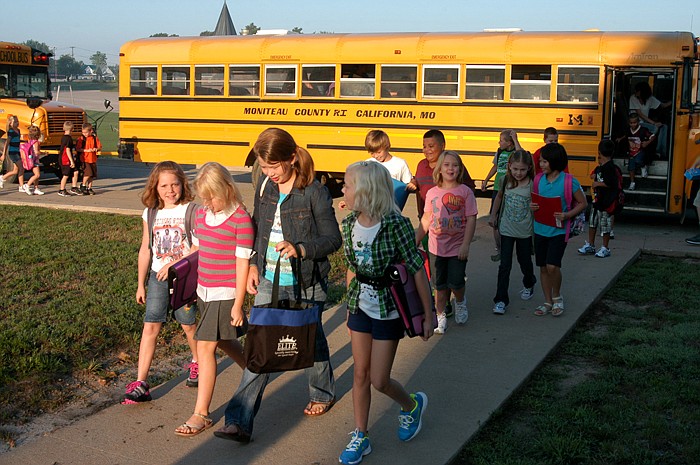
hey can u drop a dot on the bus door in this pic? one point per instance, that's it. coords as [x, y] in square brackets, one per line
[651, 194]
[689, 117]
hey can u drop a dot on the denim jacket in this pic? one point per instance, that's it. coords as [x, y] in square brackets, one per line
[308, 218]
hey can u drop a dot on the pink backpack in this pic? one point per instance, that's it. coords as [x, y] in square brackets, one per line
[26, 150]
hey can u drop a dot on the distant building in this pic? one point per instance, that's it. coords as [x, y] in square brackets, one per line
[224, 27]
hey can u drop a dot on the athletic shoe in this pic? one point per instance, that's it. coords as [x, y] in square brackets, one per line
[645, 171]
[526, 293]
[37, 191]
[442, 324]
[136, 392]
[461, 312]
[499, 308]
[587, 249]
[450, 307]
[84, 190]
[632, 187]
[76, 191]
[63, 193]
[23, 188]
[90, 191]
[193, 379]
[695, 240]
[2, 182]
[356, 449]
[28, 190]
[603, 252]
[410, 422]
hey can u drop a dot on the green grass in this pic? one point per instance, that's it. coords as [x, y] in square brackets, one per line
[68, 307]
[108, 132]
[623, 389]
[87, 85]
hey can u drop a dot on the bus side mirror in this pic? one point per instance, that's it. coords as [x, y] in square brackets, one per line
[34, 102]
[108, 104]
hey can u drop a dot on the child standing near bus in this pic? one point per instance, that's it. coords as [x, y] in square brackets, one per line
[11, 149]
[31, 161]
[507, 144]
[374, 235]
[550, 241]
[168, 191]
[551, 136]
[450, 217]
[89, 147]
[67, 160]
[512, 216]
[377, 144]
[224, 235]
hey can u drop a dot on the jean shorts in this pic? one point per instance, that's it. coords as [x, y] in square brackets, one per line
[381, 330]
[157, 298]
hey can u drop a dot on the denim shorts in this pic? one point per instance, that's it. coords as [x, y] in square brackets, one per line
[157, 297]
[448, 272]
[381, 330]
[15, 157]
[636, 161]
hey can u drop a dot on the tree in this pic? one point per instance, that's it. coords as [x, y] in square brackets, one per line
[38, 45]
[99, 60]
[297, 30]
[324, 32]
[68, 66]
[163, 34]
[251, 29]
[206, 33]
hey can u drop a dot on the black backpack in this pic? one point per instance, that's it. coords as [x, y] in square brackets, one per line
[615, 208]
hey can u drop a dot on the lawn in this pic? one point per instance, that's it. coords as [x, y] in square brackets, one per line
[108, 130]
[624, 388]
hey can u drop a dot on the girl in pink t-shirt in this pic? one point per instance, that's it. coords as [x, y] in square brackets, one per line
[450, 219]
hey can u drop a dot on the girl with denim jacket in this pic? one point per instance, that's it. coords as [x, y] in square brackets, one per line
[294, 221]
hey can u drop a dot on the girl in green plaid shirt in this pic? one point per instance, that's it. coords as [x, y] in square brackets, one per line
[375, 235]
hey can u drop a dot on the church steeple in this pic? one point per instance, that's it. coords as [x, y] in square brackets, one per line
[224, 27]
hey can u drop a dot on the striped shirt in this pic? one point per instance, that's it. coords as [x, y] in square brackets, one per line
[222, 238]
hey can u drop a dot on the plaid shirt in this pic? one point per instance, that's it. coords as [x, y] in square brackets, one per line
[395, 243]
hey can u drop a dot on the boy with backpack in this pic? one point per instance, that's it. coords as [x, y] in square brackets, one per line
[607, 199]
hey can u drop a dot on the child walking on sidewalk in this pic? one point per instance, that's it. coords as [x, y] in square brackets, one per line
[224, 234]
[167, 194]
[449, 220]
[512, 216]
[374, 235]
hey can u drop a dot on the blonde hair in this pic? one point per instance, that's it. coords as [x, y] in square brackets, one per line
[68, 125]
[213, 180]
[34, 133]
[10, 119]
[374, 189]
[437, 174]
[377, 140]
[276, 145]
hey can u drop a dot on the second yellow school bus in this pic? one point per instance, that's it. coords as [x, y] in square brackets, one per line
[200, 99]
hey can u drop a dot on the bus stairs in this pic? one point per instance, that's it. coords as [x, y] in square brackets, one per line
[650, 194]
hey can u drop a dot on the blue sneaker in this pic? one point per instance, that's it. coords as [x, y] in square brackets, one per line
[356, 449]
[411, 422]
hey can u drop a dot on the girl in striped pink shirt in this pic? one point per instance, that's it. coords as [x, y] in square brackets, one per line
[224, 234]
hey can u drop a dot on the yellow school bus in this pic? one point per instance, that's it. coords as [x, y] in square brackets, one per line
[196, 99]
[25, 91]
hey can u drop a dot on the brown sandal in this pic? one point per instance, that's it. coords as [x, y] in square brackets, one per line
[189, 430]
[325, 407]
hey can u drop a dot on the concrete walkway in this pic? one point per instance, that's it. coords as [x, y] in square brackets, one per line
[468, 373]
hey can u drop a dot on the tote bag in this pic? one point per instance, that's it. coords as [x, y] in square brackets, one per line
[281, 335]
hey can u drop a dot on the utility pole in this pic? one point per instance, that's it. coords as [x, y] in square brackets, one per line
[72, 50]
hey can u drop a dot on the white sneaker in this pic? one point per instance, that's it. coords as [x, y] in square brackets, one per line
[461, 312]
[645, 171]
[28, 190]
[587, 249]
[527, 292]
[22, 188]
[442, 324]
[632, 186]
[499, 308]
[2, 182]
[37, 191]
[603, 252]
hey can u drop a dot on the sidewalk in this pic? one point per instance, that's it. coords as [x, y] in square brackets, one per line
[468, 373]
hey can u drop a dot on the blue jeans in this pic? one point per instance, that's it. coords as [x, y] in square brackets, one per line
[523, 251]
[157, 300]
[245, 403]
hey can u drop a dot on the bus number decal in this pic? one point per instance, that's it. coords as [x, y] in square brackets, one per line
[575, 119]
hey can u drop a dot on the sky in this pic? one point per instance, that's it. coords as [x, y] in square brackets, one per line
[99, 25]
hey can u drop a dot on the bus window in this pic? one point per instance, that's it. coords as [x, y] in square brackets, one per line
[530, 82]
[577, 84]
[208, 80]
[441, 81]
[357, 80]
[317, 80]
[280, 80]
[176, 80]
[485, 82]
[143, 80]
[398, 81]
[244, 81]
[31, 82]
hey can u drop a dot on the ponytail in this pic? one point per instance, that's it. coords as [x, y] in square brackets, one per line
[305, 168]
